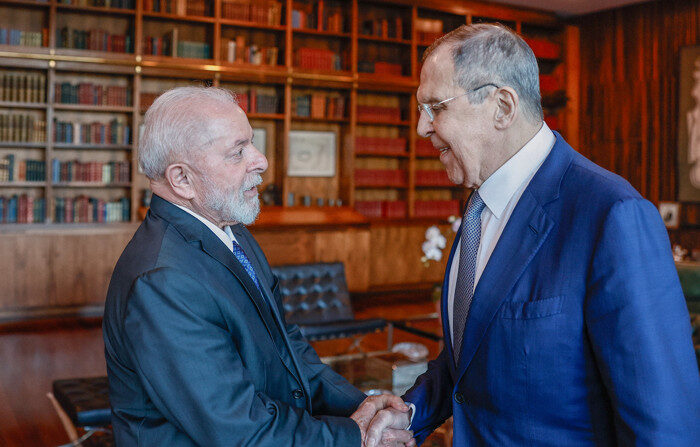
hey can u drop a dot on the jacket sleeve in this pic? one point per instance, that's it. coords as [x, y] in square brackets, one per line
[432, 397]
[194, 375]
[638, 325]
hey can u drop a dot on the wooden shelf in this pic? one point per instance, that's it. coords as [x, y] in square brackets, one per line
[92, 108]
[383, 123]
[315, 32]
[95, 9]
[104, 147]
[90, 185]
[22, 184]
[320, 120]
[31, 3]
[387, 40]
[23, 105]
[21, 145]
[380, 186]
[178, 18]
[96, 56]
[265, 116]
[252, 25]
[178, 62]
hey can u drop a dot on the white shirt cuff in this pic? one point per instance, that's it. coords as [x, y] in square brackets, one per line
[413, 413]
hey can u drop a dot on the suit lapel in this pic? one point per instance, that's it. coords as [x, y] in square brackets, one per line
[446, 329]
[524, 234]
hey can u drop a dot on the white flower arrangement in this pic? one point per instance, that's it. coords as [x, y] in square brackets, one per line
[435, 242]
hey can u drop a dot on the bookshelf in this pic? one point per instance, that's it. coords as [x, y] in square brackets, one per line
[77, 76]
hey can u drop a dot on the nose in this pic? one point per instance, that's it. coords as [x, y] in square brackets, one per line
[258, 162]
[424, 127]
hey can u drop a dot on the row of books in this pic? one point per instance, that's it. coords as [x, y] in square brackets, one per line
[23, 87]
[91, 171]
[381, 177]
[116, 131]
[319, 105]
[179, 7]
[375, 209]
[22, 171]
[425, 148]
[235, 50]
[432, 178]
[22, 128]
[385, 28]
[378, 113]
[318, 59]
[256, 11]
[22, 209]
[384, 68]
[119, 4]
[259, 100]
[305, 16]
[436, 208]
[549, 83]
[84, 209]
[88, 93]
[93, 39]
[380, 145]
[25, 38]
[170, 45]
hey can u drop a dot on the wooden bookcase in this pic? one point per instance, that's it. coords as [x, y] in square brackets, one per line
[347, 67]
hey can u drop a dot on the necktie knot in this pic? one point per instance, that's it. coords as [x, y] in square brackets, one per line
[475, 207]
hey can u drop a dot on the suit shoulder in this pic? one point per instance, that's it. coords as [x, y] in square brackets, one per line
[597, 184]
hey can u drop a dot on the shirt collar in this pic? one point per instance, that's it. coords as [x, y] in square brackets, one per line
[225, 235]
[499, 188]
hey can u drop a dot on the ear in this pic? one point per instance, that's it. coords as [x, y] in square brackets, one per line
[507, 103]
[179, 177]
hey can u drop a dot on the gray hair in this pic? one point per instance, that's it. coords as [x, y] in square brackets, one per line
[176, 126]
[492, 53]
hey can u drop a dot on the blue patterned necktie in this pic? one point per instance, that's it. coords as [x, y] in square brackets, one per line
[464, 289]
[245, 262]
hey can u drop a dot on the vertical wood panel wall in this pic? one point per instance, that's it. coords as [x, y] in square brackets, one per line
[629, 96]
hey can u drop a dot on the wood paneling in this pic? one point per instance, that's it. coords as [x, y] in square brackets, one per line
[629, 63]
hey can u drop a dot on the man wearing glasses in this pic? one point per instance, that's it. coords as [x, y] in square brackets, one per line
[563, 317]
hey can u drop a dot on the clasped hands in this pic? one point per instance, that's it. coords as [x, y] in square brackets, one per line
[384, 421]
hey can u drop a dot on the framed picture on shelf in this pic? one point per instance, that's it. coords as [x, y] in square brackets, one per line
[312, 154]
[259, 137]
[670, 213]
[689, 126]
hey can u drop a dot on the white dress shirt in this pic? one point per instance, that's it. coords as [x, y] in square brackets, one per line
[501, 192]
[225, 235]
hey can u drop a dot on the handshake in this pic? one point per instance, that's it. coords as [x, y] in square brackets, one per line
[384, 421]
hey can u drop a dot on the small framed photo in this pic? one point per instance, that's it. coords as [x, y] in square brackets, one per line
[259, 137]
[670, 213]
[312, 154]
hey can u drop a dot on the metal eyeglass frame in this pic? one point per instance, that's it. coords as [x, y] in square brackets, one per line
[430, 109]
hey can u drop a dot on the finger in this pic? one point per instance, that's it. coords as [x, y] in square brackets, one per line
[411, 443]
[381, 421]
[392, 436]
[395, 402]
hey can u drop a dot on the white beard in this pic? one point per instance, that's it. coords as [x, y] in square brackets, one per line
[232, 206]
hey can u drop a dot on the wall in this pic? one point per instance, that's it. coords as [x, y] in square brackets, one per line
[629, 69]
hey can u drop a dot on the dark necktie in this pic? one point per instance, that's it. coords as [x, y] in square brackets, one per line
[245, 262]
[464, 289]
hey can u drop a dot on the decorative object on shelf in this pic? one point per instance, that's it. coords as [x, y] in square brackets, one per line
[271, 195]
[432, 248]
[679, 253]
[312, 154]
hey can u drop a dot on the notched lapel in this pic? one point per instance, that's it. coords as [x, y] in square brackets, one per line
[521, 239]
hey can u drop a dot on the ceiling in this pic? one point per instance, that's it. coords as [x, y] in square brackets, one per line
[570, 7]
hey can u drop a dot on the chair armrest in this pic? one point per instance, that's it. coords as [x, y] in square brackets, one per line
[401, 324]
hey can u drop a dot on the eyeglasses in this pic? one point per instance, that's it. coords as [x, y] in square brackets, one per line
[432, 109]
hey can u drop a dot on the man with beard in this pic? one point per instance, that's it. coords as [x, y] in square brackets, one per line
[563, 317]
[197, 349]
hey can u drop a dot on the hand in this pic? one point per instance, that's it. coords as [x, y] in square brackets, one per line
[388, 428]
[371, 406]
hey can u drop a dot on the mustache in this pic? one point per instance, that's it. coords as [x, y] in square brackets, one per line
[252, 181]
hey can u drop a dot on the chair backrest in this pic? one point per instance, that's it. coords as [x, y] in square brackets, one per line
[314, 293]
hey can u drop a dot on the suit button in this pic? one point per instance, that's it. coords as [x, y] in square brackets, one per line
[459, 398]
[297, 394]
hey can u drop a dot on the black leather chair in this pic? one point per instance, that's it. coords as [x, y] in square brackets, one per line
[316, 298]
[83, 404]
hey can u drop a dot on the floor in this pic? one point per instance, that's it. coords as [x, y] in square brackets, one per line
[32, 356]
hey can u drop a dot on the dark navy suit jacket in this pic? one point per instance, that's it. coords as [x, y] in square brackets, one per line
[196, 355]
[578, 333]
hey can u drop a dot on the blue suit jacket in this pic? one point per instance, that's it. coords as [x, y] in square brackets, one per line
[196, 355]
[578, 333]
